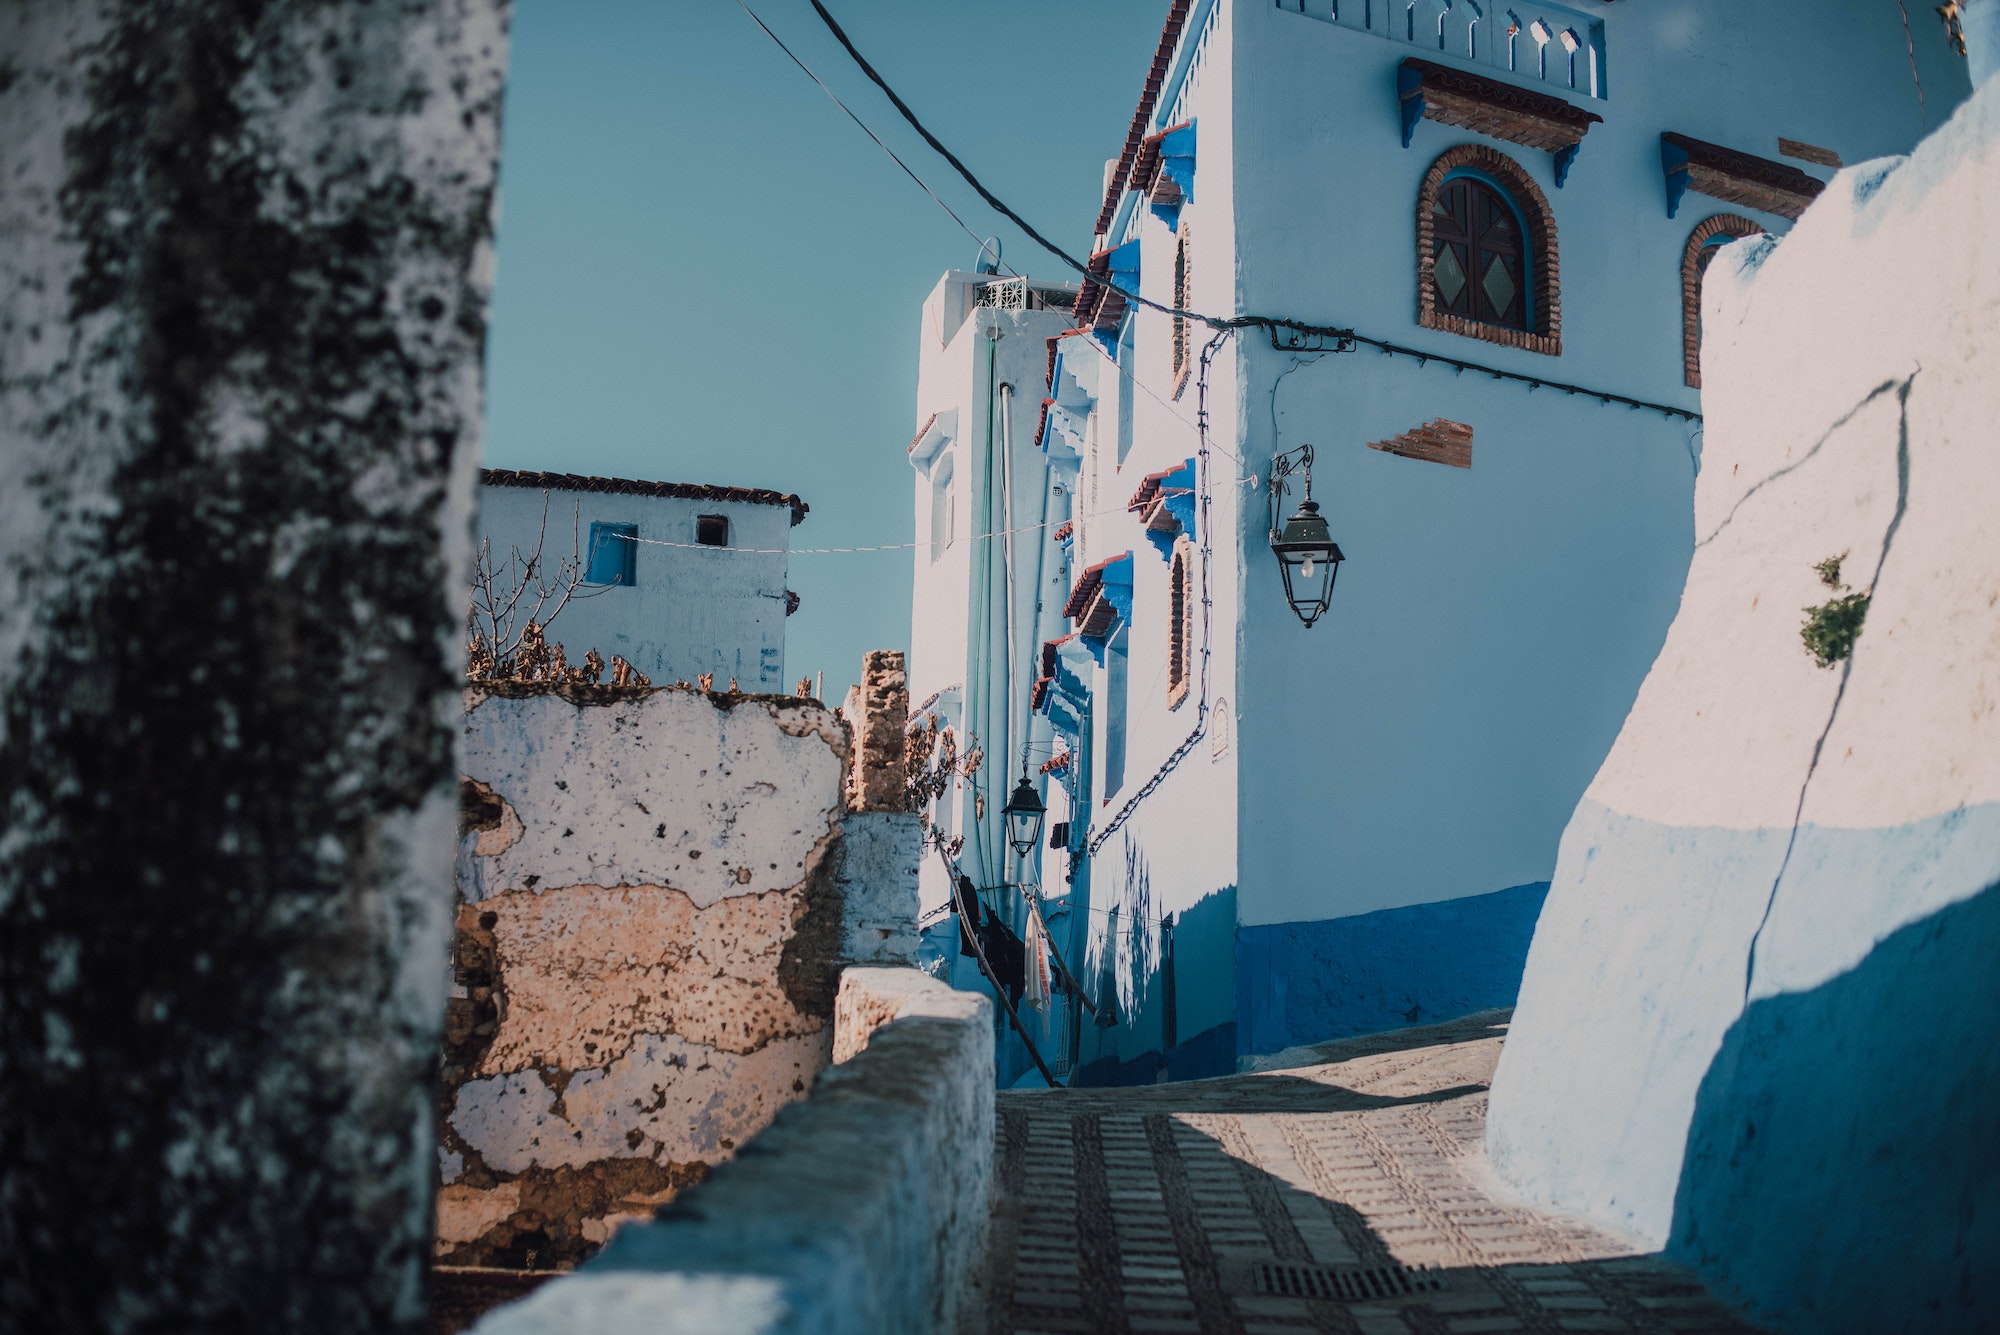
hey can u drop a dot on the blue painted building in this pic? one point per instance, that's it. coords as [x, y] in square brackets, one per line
[1277, 834]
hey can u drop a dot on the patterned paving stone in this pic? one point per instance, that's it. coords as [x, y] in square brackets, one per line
[1148, 1210]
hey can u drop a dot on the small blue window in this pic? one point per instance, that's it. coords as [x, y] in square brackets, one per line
[614, 554]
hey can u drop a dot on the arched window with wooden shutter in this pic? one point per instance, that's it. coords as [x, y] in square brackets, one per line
[1487, 261]
[1709, 237]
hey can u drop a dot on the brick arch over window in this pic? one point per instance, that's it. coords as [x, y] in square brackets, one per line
[1544, 333]
[1694, 262]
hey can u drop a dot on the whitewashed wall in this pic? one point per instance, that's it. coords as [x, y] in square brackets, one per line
[657, 890]
[693, 609]
[1761, 1006]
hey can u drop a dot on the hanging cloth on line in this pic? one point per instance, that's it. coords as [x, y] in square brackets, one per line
[970, 914]
[1036, 939]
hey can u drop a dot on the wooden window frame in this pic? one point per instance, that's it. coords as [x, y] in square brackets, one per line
[1482, 197]
[1544, 258]
[1733, 225]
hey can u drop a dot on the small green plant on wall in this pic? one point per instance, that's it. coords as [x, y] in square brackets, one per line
[1833, 626]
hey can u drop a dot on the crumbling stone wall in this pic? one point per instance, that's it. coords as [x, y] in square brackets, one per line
[242, 306]
[878, 708]
[658, 890]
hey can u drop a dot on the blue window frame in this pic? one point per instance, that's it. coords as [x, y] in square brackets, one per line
[614, 554]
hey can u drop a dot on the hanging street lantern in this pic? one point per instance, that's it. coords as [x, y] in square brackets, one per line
[1023, 814]
[1308, 557]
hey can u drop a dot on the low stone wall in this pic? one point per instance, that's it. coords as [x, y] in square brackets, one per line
[861, 1211]
[658, 890]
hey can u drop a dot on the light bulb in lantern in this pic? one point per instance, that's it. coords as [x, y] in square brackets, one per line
[1308, 568]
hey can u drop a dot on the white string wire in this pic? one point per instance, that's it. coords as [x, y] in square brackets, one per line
[885, 547]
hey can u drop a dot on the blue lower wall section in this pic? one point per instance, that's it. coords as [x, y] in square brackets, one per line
[1307, 982]
[1842, 1174]
[1209, 1053]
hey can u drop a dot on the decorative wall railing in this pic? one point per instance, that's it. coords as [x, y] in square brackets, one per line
[1536, 43]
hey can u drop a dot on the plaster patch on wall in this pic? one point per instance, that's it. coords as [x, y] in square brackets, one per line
[655, 789]
[611, 1036]
[668, 1099]
[589, 967]
[465, 1214]
[486, 818]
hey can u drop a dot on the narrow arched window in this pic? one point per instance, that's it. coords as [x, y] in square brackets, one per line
[1181, 299]
[1703, 244]
[1487, 266]
[1180, 623]
[1479, 259]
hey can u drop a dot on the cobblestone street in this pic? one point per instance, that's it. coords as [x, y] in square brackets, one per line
[1214, 1206]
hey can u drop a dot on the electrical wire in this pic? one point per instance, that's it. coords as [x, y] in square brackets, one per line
[1344, 338]
[963, 225]
[1000, 206]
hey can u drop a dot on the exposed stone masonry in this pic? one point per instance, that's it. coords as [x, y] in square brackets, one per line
[1439, 442]
[878, 714]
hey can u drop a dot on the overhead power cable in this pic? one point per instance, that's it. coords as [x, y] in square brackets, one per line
[1343, 339]
[999, 204]
[835, 99]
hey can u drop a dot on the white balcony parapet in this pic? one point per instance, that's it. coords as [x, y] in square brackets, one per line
[1527, 43]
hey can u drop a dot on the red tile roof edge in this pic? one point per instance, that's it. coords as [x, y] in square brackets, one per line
[1149, 486]
[1156, 78]
[624, 486]
[920, 433]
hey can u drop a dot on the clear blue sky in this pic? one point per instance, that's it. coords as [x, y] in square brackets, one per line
[708, 274]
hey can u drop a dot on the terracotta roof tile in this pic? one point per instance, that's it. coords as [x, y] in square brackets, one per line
[623, 486]
[1156, 78]
[912, 449]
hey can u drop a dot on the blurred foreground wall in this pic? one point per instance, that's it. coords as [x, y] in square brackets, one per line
[244, 259]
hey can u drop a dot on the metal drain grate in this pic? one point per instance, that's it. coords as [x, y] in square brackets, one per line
[1344, 1283]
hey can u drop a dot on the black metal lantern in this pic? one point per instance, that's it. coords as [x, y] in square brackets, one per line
[1308, 557]
[1023, 814]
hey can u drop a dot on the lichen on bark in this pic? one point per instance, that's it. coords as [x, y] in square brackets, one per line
[241, 322]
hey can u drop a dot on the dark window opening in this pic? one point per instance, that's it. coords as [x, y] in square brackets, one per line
[712, 530]
[614, 554]
[1180, 358]
[1480, 263]
[1179, 645]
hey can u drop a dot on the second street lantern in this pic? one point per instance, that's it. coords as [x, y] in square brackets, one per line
[1023, 814]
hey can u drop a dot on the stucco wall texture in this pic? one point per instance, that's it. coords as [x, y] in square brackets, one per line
[1760, 1008]
[653, 911]
[865, 1211]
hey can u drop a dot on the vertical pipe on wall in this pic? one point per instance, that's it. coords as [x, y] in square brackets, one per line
[1006, 544]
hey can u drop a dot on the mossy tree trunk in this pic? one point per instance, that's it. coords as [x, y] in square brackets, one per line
[244, 248]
